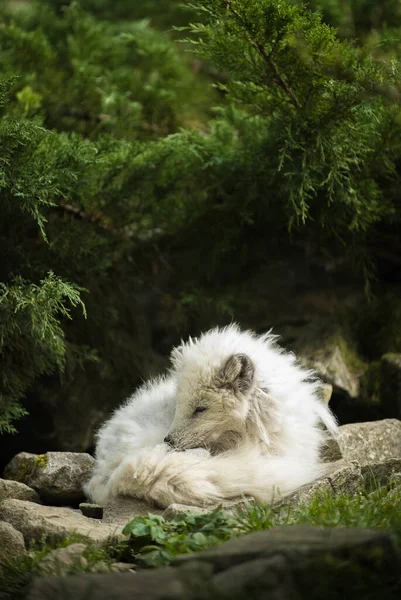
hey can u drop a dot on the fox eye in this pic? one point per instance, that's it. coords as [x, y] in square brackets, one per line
[199, 409]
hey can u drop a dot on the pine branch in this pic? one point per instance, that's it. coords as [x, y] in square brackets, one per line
[267, 57]
[128, 232]
[81, 214]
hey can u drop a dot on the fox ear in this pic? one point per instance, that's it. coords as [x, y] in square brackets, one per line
[238, 372]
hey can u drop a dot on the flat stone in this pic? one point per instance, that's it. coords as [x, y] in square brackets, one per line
[91, 510]
[295, 542]
[390, 384]
[370, 442]
[62, 561]
[121, 567]
[272, 575]
[117, 567]
[18, 491]
[381, 473]
[123, 509]
[341, 477]
[36, 521]
[58, 477]
[158, 584]
[345, 477]
[11, 542]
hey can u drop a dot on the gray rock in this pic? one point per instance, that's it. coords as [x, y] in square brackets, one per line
[330, 353]
[101, 567]
[272, 575]
[11, 542]
[370, 442]
[56, 476]
[36, 521]
[381, 473]
[340, 477]
[294, 542]
[159, 584]
[62, 561]
[117, 567]
[120, 567]
[123, 509]
[390, 384]
[91, 510]
[279, 563]
[18, 491]
[345, 477]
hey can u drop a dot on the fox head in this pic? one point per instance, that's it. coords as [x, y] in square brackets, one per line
[234, 388]
[213, 404]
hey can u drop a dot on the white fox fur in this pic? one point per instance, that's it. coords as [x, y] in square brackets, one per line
[240, 418]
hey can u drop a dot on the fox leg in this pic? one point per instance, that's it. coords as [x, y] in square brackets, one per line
[166, 477]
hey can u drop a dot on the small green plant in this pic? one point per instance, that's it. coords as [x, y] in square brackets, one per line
[158, 540]
[155, 541]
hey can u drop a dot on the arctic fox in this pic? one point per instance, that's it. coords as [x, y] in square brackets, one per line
[236, 416]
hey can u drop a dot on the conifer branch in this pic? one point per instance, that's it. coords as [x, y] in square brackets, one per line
[266, 57]
[127, 232]
[81, 214]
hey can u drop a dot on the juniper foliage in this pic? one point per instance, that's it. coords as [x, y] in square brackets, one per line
[115, 177]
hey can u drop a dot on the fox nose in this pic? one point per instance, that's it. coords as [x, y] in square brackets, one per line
[168, 440]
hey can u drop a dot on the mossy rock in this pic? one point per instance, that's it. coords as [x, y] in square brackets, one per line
[331, 352]
[56, 476]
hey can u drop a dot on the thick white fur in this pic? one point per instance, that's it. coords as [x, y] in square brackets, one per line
[242, 418]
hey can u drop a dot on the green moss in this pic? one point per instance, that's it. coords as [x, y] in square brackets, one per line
[23, 473]
[42, 460]
[350, 356]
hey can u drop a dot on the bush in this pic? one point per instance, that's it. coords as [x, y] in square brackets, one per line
[108, 154]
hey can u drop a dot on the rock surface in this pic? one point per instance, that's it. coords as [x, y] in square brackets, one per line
[123, 509]
[91, 510]
[280, 563]
[18, 491]
[11, 542]
[328, 351]
[381, 473]
[341, 477]
[62, 560]
[291, 541]
[35, 521]
[370, 442]
[390, 384]
[58, 477]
